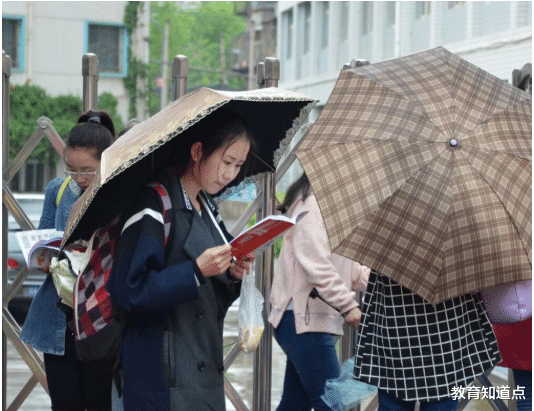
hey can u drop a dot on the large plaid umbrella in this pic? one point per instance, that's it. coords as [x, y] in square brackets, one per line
[422, 167]
[273, 116]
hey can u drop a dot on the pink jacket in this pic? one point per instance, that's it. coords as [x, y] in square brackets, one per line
[306, 262]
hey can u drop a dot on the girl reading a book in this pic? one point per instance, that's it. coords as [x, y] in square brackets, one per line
[48, 326]
[177, 294]
[306, 327]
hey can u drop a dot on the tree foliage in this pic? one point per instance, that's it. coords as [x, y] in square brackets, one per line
[195, 31]
[28, 102]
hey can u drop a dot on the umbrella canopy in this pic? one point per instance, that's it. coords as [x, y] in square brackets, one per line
[273, 116]
[422, 168]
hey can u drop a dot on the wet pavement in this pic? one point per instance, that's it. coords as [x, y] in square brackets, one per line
[239, 374]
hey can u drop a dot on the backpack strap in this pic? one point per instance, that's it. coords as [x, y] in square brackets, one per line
[167, 207]
[62, 189]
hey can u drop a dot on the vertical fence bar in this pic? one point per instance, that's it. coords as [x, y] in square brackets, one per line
[6, 74]
[261, 75]
[263, 355]
[180, 72]
[272, 72]
[268, 76]
[90, 67]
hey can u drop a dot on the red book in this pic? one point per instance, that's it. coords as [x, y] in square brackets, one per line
[262, 234]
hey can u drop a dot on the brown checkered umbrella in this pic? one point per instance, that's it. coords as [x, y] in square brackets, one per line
[422, 167]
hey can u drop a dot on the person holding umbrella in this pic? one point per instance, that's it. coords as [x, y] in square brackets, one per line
[304, 326]
[48, 326]
[422, 168]
[177, 294]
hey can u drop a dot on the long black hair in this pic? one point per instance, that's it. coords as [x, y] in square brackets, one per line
[301, 187]
[94, 131]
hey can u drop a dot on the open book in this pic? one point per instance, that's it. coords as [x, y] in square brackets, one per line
[263, 234]
[39, 246]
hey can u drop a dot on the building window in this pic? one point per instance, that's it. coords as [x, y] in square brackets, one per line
[13, 41]
[287, 22]
[454, 4]
[390, 14]
[524, 13]
[307, 26]
[491, 17]
[367, 17]
[344, 19]
[422, 9]
[325, 13]
[109, 43]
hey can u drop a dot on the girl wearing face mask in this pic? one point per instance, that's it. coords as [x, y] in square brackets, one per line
[177, 294]
[48, 326]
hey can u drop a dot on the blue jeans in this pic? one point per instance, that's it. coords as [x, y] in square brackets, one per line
[311, 360]
[523, 378]
[388, 402]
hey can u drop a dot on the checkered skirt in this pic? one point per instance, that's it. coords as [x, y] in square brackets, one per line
[419, 351]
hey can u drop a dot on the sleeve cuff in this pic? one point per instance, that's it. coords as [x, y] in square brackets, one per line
[199, 278]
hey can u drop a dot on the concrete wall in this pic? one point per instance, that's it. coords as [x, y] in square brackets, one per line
[498, 52]
[55, 41]
[475, 31]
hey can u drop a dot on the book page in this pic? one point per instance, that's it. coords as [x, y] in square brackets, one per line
[35, 243]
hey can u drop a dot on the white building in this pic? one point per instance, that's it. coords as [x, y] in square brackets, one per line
[316, 38]
[46, 41]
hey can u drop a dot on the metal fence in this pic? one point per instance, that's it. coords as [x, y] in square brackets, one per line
[263, 205]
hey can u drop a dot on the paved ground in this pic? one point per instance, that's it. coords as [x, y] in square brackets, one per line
[240, 374]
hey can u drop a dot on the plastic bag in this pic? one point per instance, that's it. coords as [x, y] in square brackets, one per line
[250, 319]
[346, 392]
[65, 271]
[63, 278]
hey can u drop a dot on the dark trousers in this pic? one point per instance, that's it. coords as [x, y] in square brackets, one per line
[75, 386]
[388, 402]
[523, 382]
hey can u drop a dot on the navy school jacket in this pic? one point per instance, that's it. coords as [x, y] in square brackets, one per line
[172, 348]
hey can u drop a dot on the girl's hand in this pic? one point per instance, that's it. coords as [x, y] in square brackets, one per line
[215, 260]
[353, 317]
[239, 267]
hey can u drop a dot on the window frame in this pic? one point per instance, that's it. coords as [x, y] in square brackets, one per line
[422, 9]
[288, 31]
[21, 45]
[344, 21]
[367, 18]
[306, 9]
[391, 14]
[122, 53]
[325, 23]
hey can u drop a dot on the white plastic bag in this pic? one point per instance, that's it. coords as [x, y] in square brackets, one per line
[66, 270]
[250, 319]
[63, 278]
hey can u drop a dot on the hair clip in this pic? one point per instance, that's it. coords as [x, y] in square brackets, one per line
[94, 120]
